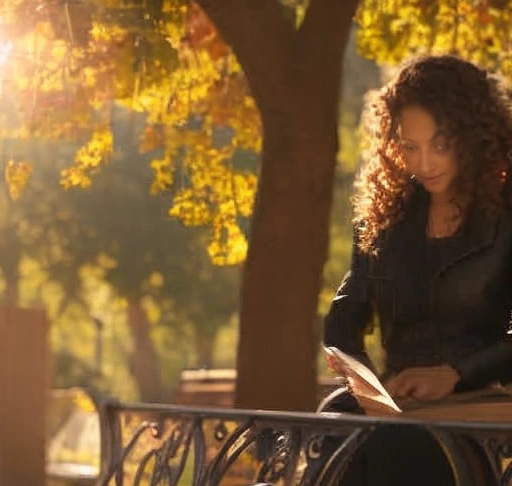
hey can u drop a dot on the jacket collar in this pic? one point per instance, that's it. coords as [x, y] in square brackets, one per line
[407, 239]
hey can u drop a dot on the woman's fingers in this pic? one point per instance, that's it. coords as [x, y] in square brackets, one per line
[431, 383]
[403, 385]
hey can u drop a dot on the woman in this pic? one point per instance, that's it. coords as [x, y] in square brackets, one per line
[432, 254]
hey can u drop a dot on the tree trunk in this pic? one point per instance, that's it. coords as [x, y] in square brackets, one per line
[295, 77]
[10, 261]
[145, 362]
[11, 291]
[205, 343]
[282, 277]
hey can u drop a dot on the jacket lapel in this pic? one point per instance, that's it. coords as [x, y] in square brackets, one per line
[407, 239]
[477, 233]
[406, 248]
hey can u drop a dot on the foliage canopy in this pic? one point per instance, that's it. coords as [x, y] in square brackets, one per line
[65, 65]
[479, 30]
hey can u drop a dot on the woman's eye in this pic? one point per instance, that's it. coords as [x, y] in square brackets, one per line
[441, 147]
[409, 148]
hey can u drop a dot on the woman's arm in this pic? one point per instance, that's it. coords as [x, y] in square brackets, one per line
[351, 310]
[493, 363]
[475, 371]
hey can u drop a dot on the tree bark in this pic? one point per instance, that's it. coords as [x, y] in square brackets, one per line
[11, 292]
[205, 344]
[145, 362]
[10, 260]
[295, 77]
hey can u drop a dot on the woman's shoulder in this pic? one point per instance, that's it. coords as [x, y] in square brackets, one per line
[493, 229]
[505, 221]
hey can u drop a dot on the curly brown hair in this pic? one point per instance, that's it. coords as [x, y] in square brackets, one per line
[473, 106]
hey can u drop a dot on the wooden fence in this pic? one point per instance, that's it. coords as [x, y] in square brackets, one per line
[24, 385]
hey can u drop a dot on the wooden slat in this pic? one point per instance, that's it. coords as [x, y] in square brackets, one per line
[24, 384]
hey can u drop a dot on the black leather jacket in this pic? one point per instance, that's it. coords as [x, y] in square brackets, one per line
[446, 301]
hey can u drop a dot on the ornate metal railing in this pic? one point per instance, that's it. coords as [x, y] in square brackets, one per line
[169, 445]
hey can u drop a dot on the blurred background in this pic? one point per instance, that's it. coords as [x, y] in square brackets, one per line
[116, 215]
[129, 148]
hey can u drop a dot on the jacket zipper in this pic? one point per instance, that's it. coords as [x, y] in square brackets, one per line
[433, 322]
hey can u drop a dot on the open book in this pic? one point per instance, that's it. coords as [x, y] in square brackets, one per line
[364, 384]
[493, 403]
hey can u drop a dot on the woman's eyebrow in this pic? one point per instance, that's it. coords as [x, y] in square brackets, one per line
[439, 133]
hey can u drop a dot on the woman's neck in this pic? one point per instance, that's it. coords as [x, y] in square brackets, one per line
[445, 215]
[438, 201]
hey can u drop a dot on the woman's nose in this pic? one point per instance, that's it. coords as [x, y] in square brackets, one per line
[427, 163]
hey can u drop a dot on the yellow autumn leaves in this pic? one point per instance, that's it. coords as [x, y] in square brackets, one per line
[17, 174]
[478, 30]
[87, 159]
[190, 87]
[209, 192]
[179, 74]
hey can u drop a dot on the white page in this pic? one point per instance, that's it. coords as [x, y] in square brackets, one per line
[364, 382]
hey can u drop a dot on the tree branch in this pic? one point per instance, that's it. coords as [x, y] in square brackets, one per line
[321, 42]
[260, 37]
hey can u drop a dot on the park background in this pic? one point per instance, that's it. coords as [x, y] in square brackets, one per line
[134, 136]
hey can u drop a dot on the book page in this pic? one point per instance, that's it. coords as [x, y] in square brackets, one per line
[367, 388]
[492, 403]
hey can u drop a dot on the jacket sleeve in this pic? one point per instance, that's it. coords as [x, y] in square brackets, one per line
[350, 311]
[491, 364]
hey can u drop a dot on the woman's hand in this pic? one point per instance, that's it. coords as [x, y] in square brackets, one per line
[429, 383]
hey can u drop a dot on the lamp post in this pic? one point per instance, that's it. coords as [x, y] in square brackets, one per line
[99, 345]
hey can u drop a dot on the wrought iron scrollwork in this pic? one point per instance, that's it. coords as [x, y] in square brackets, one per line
[282, 458]
[498, 449]
[328, 456]
[234, 445]
[281, 449]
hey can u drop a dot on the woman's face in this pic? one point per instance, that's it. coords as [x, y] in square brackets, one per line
[427, 151]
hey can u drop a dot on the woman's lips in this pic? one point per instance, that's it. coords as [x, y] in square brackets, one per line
[431, 180]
